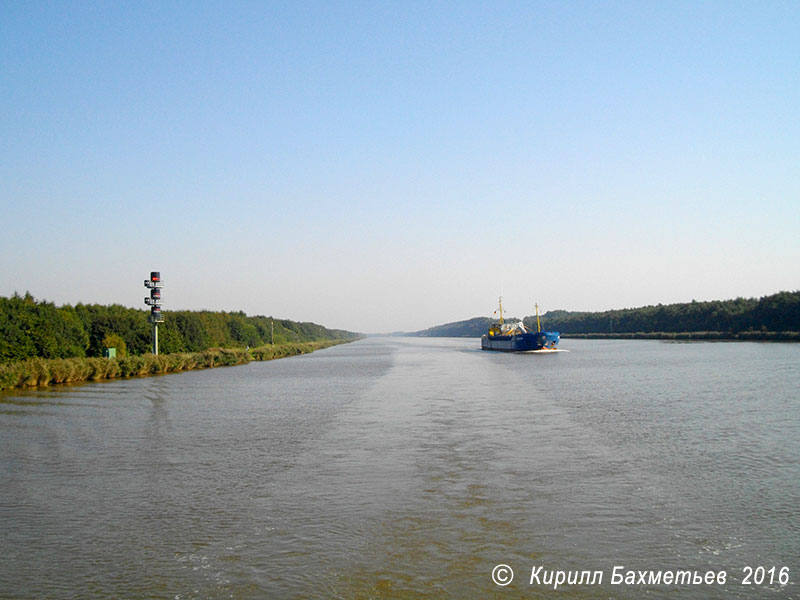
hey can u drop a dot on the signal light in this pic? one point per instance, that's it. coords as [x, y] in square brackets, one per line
[154, 284]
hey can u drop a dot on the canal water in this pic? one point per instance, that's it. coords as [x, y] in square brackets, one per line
[412, 468]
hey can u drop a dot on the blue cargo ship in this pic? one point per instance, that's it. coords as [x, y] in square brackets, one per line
[515, 337]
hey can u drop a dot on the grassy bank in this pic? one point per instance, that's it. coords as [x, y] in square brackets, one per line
[46, 371]
[742, 336]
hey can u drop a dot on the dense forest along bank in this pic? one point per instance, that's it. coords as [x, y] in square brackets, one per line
[723, 336]
[770, 318]
[43, 344]
[31, 328]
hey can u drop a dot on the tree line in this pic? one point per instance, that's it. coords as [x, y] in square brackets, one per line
[31, 328]
[774, 313]
[740, 318]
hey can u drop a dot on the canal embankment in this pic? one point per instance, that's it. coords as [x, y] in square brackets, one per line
[38, 372]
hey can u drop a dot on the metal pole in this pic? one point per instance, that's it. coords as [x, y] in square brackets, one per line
[154, 302]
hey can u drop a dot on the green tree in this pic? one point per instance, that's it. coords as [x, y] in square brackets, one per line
[112, 340]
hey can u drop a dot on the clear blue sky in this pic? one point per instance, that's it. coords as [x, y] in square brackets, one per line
[382, 166]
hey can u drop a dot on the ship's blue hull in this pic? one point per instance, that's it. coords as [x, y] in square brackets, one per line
[521, 342]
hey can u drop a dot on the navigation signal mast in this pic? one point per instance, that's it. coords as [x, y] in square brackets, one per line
[154, 302]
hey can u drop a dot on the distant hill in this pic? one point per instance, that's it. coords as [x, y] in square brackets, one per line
[774, 313]
[470, 328]
[474, 327]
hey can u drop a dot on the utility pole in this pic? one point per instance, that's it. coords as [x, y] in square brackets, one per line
[154, 302]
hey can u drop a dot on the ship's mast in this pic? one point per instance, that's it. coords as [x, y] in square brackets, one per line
[538, 325]
[501, 310]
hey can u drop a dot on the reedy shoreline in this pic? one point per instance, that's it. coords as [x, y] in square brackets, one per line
[40, 372]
